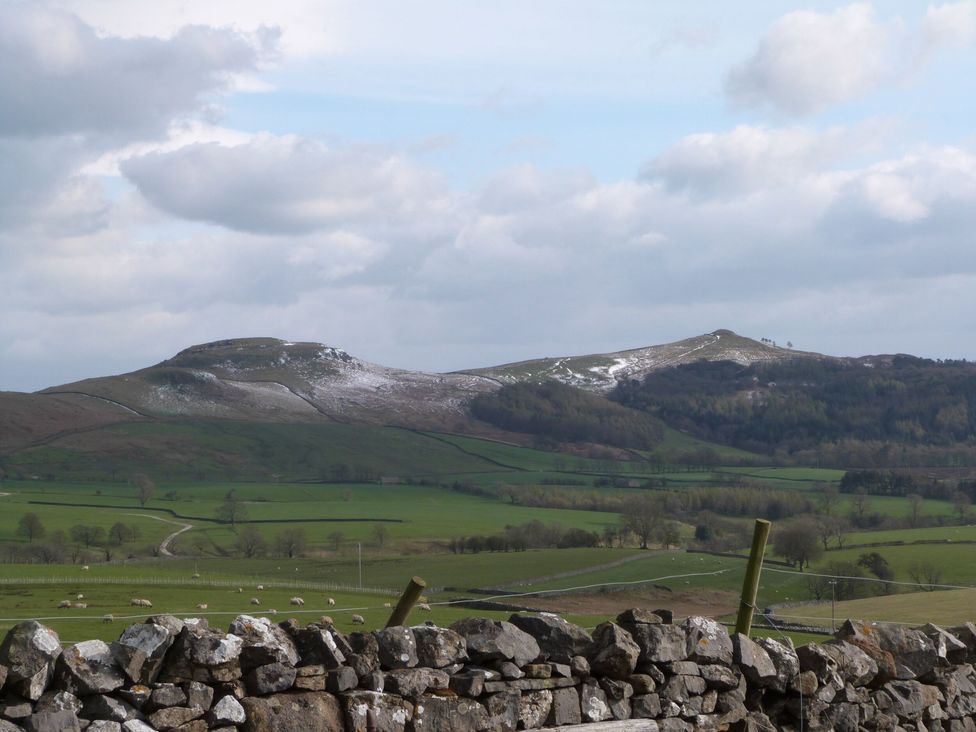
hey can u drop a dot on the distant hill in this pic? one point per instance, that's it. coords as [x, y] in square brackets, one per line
[602, 371]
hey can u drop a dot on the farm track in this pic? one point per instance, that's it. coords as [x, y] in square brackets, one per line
[165, 543]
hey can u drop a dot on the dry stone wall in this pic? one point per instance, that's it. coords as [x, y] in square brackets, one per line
[535, 671]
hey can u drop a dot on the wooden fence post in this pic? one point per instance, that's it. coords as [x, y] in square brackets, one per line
[743, 622]
[410, 595]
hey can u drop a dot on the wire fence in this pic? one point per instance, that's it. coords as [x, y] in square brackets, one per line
[200, 582]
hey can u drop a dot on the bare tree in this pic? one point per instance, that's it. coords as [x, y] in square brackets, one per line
[145, 487]
[798, 543]
[915, 502]
[642, 517]
[86, 535]
[30, 527]
[962, 504]
[926, 575]
[380, 533]
[290, 542]
[336, 538]
[232, 511]
[250, 543]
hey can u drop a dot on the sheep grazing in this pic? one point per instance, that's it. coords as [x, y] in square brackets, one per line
[140, 602]
[80, 605]
[85, 567]
[201, 606]
[331, 601]
[326, 620]
[63, 604]
[296, 601]
[108, 618]
[195, 575]
[240, 589]
[273, 611]
[260, 587]
[255, 601]
[424, 606]
[387, 604]
[79, 596]
[358, 620]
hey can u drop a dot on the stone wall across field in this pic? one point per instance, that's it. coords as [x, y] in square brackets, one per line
[535, 671]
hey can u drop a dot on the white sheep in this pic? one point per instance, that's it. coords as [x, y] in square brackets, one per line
[79, 596]
[255, 601]
[63, 604]
[240, 589]
[386, 604]
[140, 602]
[358, 620]
[80, 605]
[195, 575]
[109, 618]
[273, 611]
[331, 601]
[201, 606]
[424, 606]
[260, 587]
[326, 620]
[85, 567]
[296, 601]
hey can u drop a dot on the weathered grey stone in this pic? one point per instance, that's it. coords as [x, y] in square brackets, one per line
[537, 671]
[579, 666]
[198, 695]
[213, 648]
[103, 725]
[343, 679]
[489, 639]
[593, 702]
[907, 699]
[136, 725]
[784, 658]
[397, 647]
[28, 652]
[468, 683]
[507, 669]
[642, 683]
[904, 653]
[306, 711]
[319, 646]
[272, 678]
[391, 713]
[565, 708]
[680, 689]
[62, 721]
[615, 653]
[534, 708]
[753, 660]
[947, 646]
[194, 725]
[15, 709]
[558, 639]
[100, 706]
[438, 647]
[659, 643]
[438, 714]
[172, 717]
[852, 663]
[641, 615]
[718, 677]
[503, 711]
[618, 697]
[708, 640]
[165, 695]
[140, 651]
[263, 642]
[365, 658]
[561, 669]
[58, 701]
[529, 684]
[226, 711]
[413, 682]
[137, 695]
[645, 706]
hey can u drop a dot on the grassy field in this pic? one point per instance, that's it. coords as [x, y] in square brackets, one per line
[947, 608]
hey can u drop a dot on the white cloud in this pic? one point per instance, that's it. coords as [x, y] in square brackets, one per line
[808, 61]
[284, 185]
[949, 24]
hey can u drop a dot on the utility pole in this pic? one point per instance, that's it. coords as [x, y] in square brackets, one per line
[360, 565]
[750, 584]
[833, 584]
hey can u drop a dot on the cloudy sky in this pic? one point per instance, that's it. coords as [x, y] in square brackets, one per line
[446, 184]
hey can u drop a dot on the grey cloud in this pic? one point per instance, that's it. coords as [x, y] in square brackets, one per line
[285, 185]
[58, 76]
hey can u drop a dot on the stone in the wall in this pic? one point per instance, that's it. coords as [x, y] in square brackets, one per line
[593, 702]
[57, 701]
[784, 658]
[618, 697]
[565, 707]
[343, 679]
[101, 706]
[438, 647]
[140, 651]
[707, 640]
[413, 682]
[558, 639]
[615, 653]
[62, 721]
[29, 652]
[397, 647]
[165, 695]
[272, 678]
[103, 725]
[503, 710]
[226, 711]
[198, 695]
[852, 663]
[365, 658]
[306, 711]
[753, 660]
[173, 717]
[88, 668]
[470, 683]
[319, 646]
[645, 706]
[490, 639]
[912, 652]
[947, 646]
[658, 642]
[439, 714]
[263, 642]
[718, 677]
[534, 708]
[389, 713]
